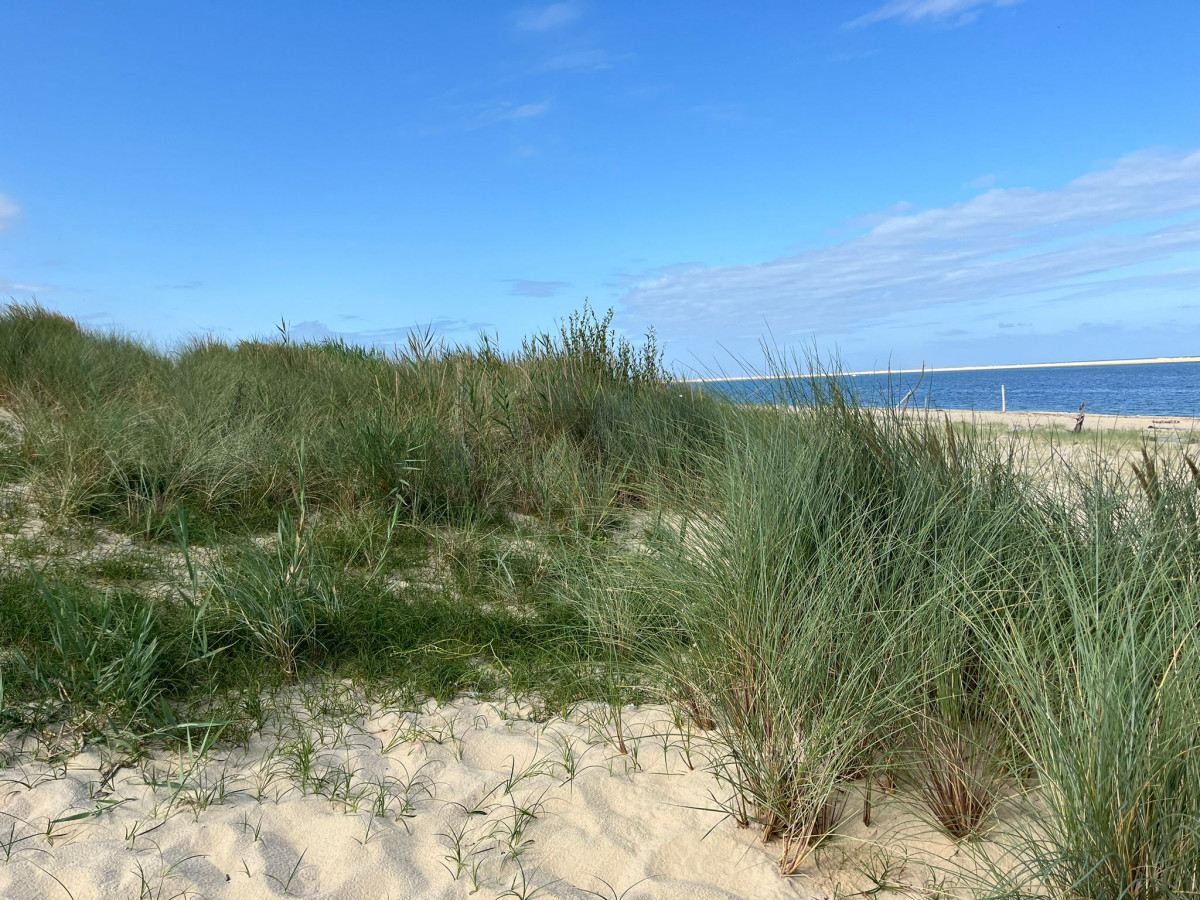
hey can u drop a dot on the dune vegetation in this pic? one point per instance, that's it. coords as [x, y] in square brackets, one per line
[841, 595]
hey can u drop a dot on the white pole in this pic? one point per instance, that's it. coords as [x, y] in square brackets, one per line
[1003, 402]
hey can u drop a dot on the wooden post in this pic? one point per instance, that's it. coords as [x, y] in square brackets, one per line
[1079, 419]
[1003, 403]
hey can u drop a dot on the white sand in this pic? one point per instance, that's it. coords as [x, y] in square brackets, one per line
[386, 796]
[1150, 426]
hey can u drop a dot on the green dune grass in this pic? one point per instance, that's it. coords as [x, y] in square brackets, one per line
[841, 593]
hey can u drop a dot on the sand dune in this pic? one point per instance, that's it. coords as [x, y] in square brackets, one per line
[450, 801]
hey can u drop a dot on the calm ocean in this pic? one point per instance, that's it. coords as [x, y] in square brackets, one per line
[1146, 389]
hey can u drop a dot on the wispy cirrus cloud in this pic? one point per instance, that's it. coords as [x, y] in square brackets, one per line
[525, 287]
[958, 12]
[527, 111]
[871, 219]
[984, 181]
[591, 60]
[506, 111]
[313, 330]
[546, 18]
[852, 55]
[1098, 236]
[10, 288]
[9, 210]
[461, 117]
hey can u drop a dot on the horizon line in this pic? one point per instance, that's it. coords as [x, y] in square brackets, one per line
[1048, 365]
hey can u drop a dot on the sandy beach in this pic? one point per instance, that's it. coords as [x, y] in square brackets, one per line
[1151, 426]
[444, 802]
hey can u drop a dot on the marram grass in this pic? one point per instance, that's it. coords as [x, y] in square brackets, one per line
[839, 593]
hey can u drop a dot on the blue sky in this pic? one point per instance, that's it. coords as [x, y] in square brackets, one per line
[941, 181]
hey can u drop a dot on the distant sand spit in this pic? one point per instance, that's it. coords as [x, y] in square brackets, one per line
[439, 803]
[1143, 361]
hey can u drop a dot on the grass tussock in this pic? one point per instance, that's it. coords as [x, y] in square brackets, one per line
[843, 596]
[111, 430]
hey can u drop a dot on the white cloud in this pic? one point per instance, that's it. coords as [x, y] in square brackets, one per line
[529, 110]
[958, 11]
[546, 18]
[525, 287]
[8, 211]
[506, 111]
[577, 61]
[984, 181]
[10, 288]
[871, 219]
[313, 330]
[852, 55]
[1083, 237]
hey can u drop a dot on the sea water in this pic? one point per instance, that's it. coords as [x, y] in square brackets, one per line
[1137, 389]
